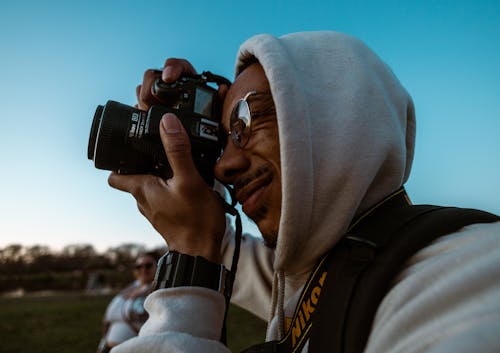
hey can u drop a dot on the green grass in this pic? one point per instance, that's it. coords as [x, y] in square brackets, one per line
[72, 324]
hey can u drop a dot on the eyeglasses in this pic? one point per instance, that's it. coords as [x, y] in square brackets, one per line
[147, 266]
[240, 122]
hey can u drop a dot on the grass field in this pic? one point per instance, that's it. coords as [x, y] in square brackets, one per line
[72, 324]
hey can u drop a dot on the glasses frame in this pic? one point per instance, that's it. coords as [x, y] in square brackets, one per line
[236, 136]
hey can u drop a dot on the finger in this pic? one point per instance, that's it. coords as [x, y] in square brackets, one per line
[130, 183]
[140, 186]
[122, 182]
[145, 98]
[178, 148]
[175, 68]
[138, 94]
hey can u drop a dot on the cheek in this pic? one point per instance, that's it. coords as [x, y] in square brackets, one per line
[267, 146]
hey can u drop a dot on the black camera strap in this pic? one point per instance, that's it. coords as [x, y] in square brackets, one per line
[300, 326]
[231, 210]
[219, 80]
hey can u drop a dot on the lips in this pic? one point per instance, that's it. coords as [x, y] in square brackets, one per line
[249, 192]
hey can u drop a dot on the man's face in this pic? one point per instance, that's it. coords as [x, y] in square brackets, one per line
[254, 170]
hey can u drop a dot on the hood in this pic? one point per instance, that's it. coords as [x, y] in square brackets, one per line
[346, 129]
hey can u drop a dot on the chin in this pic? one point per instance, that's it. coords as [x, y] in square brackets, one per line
[270, 242]
[269, 234]
[269, 230]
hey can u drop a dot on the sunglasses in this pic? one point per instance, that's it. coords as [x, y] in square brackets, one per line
[240, 122]
[146, 266]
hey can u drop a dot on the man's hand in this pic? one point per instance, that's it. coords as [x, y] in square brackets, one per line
[183, 209]
[172, 71]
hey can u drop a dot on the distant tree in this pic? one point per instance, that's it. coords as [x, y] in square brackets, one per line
[11, 259]
[77, 256]
[79, 250]
[39, 267]
[39, 258]
[125, 254]
[13, 253]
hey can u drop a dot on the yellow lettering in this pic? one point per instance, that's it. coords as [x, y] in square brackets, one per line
[322, 279]
[305, 310]
[315, 295]
[296, 332]
[301, 317]
[308, 309]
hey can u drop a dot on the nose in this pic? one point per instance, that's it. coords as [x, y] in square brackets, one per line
[232, 163]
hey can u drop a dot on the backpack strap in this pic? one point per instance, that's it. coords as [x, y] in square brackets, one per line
[367, 259]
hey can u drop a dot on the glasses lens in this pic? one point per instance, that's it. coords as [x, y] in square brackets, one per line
[240, 124]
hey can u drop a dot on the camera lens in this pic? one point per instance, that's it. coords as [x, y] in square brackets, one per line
[93, 131]
[120, 128]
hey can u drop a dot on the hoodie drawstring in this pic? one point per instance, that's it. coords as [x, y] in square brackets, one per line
[281, 304]
[274, 296]
[277, 305]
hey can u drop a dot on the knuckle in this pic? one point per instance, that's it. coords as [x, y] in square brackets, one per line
[150, 73]
[180, 64]
[173, 61]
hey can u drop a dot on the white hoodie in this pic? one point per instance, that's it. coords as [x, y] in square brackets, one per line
[346, 130]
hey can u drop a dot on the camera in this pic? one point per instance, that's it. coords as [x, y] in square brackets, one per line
[127, 140]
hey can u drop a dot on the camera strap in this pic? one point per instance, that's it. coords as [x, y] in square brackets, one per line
[219, 80]
[299, 327]
[231, 210]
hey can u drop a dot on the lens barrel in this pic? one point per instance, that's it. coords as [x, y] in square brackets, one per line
[121, 139]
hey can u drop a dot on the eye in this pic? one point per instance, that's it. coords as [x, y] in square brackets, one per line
[238, 131]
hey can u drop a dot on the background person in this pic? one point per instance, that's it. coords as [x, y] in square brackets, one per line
[125, 314]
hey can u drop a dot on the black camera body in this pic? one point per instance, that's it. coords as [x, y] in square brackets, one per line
[127, 140]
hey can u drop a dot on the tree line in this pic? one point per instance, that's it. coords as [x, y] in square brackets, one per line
[38, 267]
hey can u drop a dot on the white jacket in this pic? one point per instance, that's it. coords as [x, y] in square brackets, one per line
[346, 129]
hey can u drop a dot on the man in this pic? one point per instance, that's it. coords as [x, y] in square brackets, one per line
[329, 133]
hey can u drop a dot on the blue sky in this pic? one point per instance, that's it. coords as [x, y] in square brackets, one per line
[60, 59]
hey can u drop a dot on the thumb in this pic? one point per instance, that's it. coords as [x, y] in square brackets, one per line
[177, 146]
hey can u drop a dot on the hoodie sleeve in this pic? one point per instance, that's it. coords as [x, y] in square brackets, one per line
[190, 319]
[446, 300]
[182, 319]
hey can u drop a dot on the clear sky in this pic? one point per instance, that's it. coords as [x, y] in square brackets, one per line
[60, 59]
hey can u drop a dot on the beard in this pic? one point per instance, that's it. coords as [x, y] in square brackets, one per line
[270, 236]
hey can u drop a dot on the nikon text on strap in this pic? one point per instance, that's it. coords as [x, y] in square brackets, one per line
[300, 326]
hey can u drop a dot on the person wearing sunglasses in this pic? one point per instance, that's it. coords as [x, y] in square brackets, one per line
[318, 132]
[125, 314]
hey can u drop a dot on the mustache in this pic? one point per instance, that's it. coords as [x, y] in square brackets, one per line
[241, 183]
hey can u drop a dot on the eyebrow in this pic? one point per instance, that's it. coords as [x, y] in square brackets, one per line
[261, 103]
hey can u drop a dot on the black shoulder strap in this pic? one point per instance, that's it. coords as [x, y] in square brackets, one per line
[364, 263]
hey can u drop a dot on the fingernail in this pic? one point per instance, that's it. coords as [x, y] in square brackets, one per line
[170, 124]
[167, 74]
